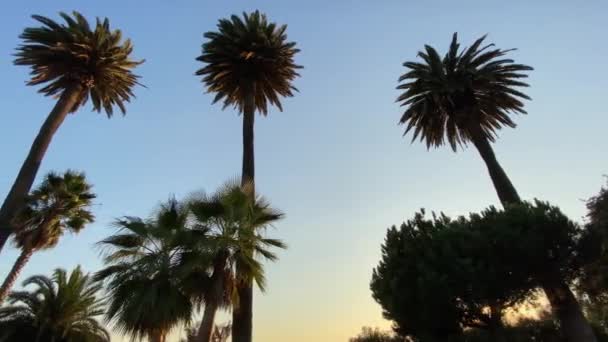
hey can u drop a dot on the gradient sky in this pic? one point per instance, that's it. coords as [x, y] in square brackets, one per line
[334, 160]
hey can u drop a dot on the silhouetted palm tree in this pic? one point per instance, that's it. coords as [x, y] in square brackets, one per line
[233, 229]
[60, 203]
[63, 308]
[147, 296]
[75, 62]
[249, 64]
[467, 96]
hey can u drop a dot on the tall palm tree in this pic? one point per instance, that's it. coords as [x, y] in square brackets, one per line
[62, 308]
[146, 291]
[61, 203]
[249, 64]
[74, 62]
[234, 227]
[467, 96]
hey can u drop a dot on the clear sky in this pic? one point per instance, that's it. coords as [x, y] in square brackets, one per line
[334, 160]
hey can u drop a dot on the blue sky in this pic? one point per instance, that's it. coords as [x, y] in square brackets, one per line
[334, 160]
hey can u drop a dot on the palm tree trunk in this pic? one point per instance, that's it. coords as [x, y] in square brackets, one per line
[12, 276]
[496, 315]
[242, 316]
[248, 172]
[206, 328]
[157, 336]
[504, 188]
[216, 294]
[568, 311]
[23, 183]
[563, 302]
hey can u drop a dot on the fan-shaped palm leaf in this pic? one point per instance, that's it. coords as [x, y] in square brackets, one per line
[61, 203]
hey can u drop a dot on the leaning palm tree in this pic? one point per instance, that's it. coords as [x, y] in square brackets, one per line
[62, 308]
[146, 290]
[233, 228]
[74, 62]
[249, 64]
[61, 203]
[467, 96]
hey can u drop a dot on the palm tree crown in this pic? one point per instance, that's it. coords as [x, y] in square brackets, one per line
[145, 288]
[234, 224]
[249, 57]
[60, 203]
[65, 55]
[447, 98]
[62, 309]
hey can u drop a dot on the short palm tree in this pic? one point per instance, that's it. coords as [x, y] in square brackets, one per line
[233, 226]
[467, 96]
[62, 308]
[249, 64]
[146, 291]
[75, 62]
[61, 203]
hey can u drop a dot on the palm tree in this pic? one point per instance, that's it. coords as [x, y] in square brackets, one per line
[74, 62]
[62, 308]
[467, 96]
[249, 64]
[147, 296]
[61, 203]
[233, 227]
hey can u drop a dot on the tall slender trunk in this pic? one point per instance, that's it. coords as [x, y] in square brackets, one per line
[496, 315]
[157, 336]
[27, 174]
[216, 294]
[563, 302]
[504, 188]
[12, 276]
[206, 328]
[242, 316]
[567, 309]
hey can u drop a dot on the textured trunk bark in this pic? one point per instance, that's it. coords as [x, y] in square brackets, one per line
[216, 294]
[206, 328]
[9, 282]
[248, 172]
[504, 188]
[27, 174]
[568, 311]
[157, 337]
[563, 302]
[242, 316]
[496, 316]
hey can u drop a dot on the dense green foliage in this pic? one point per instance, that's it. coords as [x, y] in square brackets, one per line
[146, 286]
[593, 282]
[63, 308]
[375, 335]
[439, 275]
[61, 203]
